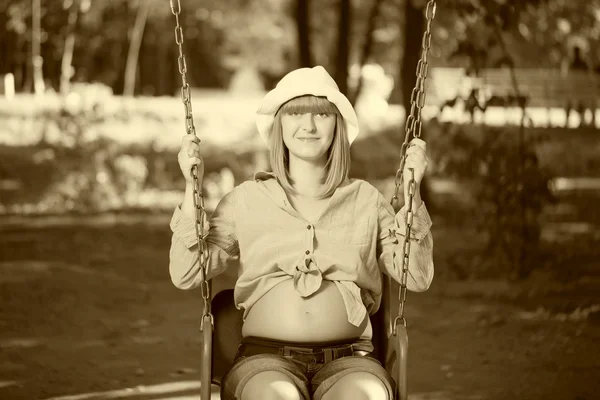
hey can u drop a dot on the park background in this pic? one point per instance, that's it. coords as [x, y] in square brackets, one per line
[91, 117]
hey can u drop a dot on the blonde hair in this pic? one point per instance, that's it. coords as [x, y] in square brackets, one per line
[338, 157]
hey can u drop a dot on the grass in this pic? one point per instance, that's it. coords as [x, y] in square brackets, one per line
[89, 308]
[86, 303]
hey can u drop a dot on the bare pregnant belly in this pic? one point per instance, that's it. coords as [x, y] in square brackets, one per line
[282, 314]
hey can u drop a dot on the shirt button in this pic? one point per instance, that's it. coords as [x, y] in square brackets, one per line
[308, 227]
[307, 251]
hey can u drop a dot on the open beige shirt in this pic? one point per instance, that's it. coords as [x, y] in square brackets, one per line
[353, 241]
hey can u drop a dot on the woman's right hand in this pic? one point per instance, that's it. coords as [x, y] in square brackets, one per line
[188, 156]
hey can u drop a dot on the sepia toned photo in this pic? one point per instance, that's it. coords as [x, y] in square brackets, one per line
[299, 199]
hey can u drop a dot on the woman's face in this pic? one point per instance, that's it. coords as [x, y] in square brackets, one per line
[308, 136]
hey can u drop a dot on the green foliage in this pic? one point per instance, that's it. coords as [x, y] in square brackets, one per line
[98, 152]
[509, 189]
[538, 33]
[219, 37]
[73, 173]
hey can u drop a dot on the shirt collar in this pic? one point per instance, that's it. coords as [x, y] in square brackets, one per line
[263, 176]
[269, 185]
[272, 187]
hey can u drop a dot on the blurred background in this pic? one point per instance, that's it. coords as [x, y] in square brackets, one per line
[91, 119]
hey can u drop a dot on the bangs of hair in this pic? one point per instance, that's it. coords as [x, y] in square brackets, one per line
[309, 105]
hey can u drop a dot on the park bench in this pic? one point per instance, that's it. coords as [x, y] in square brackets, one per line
[538, 88]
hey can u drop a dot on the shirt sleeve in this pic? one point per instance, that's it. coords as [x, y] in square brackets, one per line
[391, 233]
[221, 242]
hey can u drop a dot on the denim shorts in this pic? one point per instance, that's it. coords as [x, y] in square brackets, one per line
[313, 379]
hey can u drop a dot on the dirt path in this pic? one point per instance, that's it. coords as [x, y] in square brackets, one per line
[92, 311]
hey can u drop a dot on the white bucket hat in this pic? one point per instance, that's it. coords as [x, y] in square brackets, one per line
[304, 81]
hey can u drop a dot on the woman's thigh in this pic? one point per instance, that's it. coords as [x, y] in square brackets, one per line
[271, 385]
[266, 368]
[360, 377]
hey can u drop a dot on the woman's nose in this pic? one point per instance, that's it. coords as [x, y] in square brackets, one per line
[308, 122]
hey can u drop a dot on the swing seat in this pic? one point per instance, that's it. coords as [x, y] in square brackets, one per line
[390, 350]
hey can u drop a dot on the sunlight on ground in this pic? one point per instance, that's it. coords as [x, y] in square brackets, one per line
[584, 183]
[23, 343]
[23, 270]
[225, 119]
[442, 396]
[495, 116]
[169, 391]
[541, 314]
[563, 232]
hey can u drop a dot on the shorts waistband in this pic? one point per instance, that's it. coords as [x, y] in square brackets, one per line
[314, 353]
[306, 345]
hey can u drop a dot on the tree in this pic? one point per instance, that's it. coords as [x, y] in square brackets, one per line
[134, 47]
[367, 47]
[37, 61]
[303, 31]
[539, 33]
[74, 7]
[222, 35]
[343, 45]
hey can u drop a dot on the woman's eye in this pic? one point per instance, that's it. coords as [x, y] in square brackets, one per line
[323, 115]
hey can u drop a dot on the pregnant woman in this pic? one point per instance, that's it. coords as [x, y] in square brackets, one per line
[312, 245]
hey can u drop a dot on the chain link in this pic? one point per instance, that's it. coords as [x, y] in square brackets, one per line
[412, 126]
[200, 212]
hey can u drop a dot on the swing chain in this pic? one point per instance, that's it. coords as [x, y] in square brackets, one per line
[413, 125]
[417, 99]
[200, 211]
[186, 96]
[406, 252]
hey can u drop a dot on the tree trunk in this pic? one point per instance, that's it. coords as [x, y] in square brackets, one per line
[134, 47]
[367, 47]
[414, 27]
[343, 46]
[303, 30]
[163, 68]
[36, 58]
[67, 58]
[25, 69]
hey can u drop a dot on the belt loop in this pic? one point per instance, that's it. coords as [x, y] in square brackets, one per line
[284, 351]
[329, 354]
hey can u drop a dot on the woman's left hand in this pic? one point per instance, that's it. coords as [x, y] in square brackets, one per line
[416, 158]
